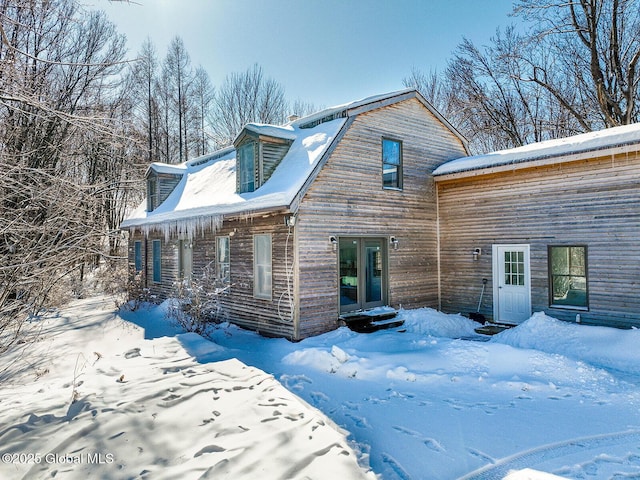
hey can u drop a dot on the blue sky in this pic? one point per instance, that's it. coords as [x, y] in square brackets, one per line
[324, 52]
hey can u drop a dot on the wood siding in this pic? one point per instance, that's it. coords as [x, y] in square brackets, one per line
[169, 263]
[347, 199]
[165, 184]
[271, 154]
[270, 317]
[594, 202]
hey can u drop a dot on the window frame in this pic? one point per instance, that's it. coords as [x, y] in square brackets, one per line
[399, 166]
[266, 292]
[137, 256]
[552, 276]
[153, 192]
[244, 173]
[226, 278]
[156, 255]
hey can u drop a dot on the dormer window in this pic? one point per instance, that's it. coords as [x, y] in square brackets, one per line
[152, 193]
[160, 185]
[247, 167]
[259, 150]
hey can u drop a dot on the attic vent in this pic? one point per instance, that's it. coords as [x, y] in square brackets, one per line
[328, 118]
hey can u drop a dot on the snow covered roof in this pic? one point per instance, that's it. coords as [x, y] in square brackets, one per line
[269, 130]
[578, 146]
[207, 189]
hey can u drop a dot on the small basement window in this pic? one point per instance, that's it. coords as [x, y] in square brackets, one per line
[568, 286]
[391, 164]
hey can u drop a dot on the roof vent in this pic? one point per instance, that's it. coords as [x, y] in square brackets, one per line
[293, 117]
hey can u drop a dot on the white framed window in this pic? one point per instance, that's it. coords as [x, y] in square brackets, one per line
[262, 281]
[223, 259]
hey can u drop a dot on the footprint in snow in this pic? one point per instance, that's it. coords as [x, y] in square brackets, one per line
[431, 443]
[209, 449]
[134, 352]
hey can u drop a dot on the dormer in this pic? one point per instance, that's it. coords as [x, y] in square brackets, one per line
[259, 150]
[161, 180]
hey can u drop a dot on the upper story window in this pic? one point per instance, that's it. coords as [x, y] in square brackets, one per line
[259, 151]
[246, 167]
[152, 193]
[391, 164]
[568, 277]
[159, 187]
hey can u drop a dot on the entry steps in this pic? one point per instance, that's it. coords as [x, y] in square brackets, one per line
[492, 328]
[367, 321]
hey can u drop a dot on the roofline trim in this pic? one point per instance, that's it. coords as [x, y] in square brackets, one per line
[541, 161]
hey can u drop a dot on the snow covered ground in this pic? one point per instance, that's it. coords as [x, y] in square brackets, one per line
[428, 400]
[99, 397]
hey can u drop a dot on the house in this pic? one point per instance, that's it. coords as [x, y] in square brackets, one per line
[330, 214]
[375, 203]
[553, 226]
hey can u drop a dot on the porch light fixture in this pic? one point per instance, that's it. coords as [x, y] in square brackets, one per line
[394, 242]
[476, 254]
[334, 242]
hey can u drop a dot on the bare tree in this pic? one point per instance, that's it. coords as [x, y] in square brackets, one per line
[575, 69]
[178, 75]
[243, 98]
[202, 93]
[493, 106]
[59, 84]
[301, 108]
[143, 83]
[597, 46]
[433, 88]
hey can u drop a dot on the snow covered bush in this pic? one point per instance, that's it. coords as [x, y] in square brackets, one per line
[137, 293]
[196, 302]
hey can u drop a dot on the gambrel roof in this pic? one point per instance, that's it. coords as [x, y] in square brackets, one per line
[207, 190]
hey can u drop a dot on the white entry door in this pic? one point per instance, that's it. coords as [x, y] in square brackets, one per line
[511, 283]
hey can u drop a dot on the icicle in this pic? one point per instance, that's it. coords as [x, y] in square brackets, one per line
[185, 227]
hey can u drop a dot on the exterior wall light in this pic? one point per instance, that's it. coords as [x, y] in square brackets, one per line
[476, 254]
[394, 243]
[334, 242]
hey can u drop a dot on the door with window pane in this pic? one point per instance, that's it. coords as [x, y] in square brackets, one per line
[512, 291]
[362, 273]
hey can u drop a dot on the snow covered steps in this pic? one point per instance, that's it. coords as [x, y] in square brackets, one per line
[492, 328]
[371, 320]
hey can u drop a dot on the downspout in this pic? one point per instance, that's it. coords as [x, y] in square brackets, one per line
[296, 283]
[438, 244]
